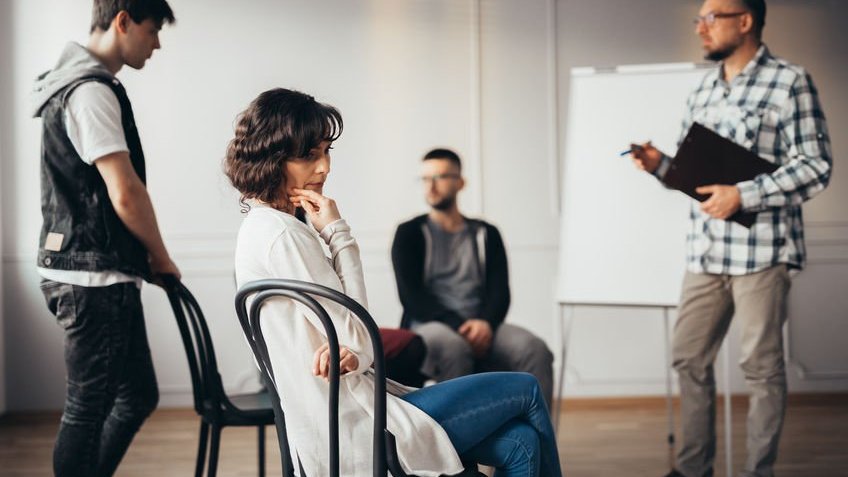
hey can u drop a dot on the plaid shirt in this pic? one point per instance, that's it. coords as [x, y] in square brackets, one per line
[771, 108]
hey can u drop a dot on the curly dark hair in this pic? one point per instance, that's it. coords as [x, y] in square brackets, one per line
[278, 126]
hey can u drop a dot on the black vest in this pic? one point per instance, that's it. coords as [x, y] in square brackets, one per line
[81, 229]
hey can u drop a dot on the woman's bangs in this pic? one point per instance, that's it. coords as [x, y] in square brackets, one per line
[320, 123]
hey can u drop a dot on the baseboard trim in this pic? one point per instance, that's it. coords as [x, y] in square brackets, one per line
[655, 402]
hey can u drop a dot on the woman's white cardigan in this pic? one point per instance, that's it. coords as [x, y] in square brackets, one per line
[274, 244]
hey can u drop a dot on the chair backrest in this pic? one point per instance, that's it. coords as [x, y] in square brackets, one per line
[207, 388]
[385, 451]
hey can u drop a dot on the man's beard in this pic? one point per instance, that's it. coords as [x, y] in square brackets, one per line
[720, 54]
[444, 204]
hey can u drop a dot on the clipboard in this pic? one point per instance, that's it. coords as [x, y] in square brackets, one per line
[706, 158]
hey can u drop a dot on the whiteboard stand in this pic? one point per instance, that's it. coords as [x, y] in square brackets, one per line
[728, 444]
[668, 398]
[565, 323]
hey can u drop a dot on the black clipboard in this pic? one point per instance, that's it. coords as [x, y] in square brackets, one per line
[706, 158]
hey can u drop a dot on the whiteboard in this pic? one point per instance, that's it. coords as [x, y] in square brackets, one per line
[622, 234]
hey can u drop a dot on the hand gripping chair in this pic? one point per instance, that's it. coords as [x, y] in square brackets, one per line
[385, 449]
[215, 408]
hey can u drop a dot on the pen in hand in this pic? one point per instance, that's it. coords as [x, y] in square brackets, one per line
[633, 148]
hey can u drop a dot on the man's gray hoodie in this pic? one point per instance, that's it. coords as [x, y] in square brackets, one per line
[75, 62]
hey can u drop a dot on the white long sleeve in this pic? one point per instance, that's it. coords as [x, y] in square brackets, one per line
[295, 253]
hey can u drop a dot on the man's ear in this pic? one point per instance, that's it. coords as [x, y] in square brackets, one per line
[121, 21]
[461, 183]
[746, 23]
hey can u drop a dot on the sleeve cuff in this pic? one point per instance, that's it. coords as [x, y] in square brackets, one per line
[363, 366]
[749, 195]
[330, 229]
[662, 169]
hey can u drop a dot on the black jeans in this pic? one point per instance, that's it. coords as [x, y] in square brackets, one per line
[111, 384]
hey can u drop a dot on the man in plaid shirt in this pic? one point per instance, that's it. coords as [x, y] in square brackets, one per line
[770, 107]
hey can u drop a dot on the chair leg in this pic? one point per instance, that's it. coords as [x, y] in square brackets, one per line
[213, 450]
[261, 445]
[201, 449]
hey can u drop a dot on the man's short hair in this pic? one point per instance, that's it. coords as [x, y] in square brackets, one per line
[757, 8]
[104, 11]
[445, 154]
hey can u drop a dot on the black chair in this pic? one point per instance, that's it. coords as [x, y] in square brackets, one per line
[385, 449]
[215, 408]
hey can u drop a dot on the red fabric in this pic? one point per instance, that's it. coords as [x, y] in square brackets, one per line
[395, 340]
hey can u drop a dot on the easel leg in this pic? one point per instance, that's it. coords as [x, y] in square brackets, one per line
[565, 318]
[728, 431]
[668, 390]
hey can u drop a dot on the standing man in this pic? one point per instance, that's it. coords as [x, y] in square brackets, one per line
[100, 238]
[453, 282]
[770, 107]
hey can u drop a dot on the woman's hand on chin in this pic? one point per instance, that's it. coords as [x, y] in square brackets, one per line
[321, 210]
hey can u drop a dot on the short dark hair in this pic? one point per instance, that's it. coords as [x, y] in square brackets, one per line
[445, 154]
[757, 8]
[104, 11]
[278, 126]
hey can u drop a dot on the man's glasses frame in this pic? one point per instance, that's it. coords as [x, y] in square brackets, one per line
[439, 177]
[710, 18]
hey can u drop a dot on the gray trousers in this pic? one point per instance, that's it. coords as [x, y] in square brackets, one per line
[513, 349]
[707, 305]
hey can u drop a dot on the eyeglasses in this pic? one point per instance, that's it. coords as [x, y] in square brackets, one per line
[710, 18]
[439, 178]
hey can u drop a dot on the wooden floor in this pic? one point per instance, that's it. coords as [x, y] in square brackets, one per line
[621, 437]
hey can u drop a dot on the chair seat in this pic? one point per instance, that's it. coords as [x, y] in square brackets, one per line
[254, 401]
[253, 409]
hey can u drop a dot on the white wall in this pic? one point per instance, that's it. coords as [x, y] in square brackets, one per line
[5, 127]
[620, 351]
[477, 75]
[407, 76]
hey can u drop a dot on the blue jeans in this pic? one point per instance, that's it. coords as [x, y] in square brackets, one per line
[495, 419]
[111, 385]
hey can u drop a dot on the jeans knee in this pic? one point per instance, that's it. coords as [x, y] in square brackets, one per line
[529, 383]
[136, 408]
[85, 405]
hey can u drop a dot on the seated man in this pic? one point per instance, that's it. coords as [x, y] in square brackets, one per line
[453, 282]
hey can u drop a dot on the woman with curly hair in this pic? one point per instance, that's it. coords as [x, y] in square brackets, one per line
[279, 161]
